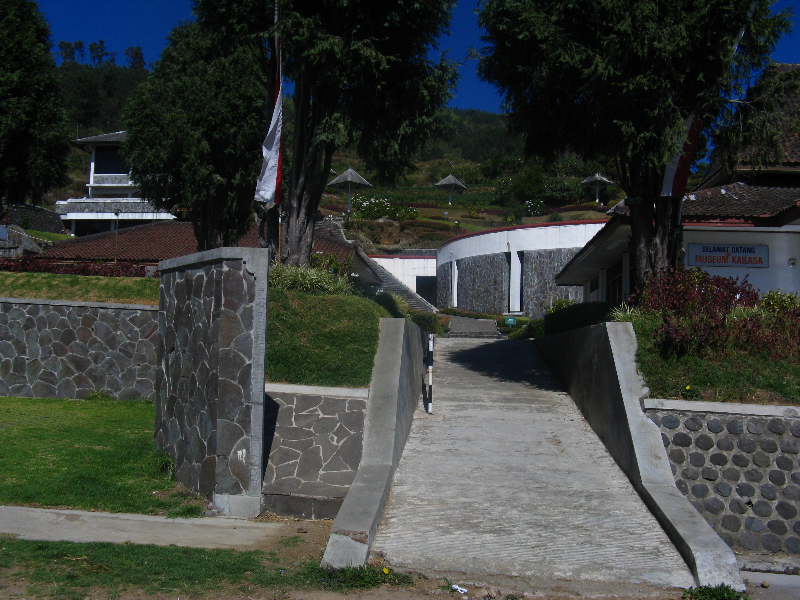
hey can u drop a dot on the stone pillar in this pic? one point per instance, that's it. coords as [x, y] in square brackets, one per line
[210, 395]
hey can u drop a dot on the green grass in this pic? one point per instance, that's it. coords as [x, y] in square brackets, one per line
[754, 378]
[321, 340]
[70, 571]
[85, 288]
[84, 455]
[46, 235]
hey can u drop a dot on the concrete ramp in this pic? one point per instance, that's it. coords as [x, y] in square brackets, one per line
[507, 480]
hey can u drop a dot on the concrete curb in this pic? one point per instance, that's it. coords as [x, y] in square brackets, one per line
[725, 408]
[597, 365]
[316, 390]
[397, 379]
[41, 302]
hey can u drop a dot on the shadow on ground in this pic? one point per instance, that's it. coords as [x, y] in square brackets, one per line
[509, 360]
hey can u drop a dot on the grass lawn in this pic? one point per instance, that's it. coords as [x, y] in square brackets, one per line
[86, 455]
[72, 571]
[85, 288]
[46, 235]
[321, 340]
[718, 377]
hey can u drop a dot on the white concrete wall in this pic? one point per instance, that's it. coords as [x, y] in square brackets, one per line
[407, 269]
[784, 246]
[515, 239]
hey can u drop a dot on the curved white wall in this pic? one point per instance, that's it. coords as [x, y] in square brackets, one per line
[542, 236]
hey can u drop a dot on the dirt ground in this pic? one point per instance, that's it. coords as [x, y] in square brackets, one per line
[308, 541]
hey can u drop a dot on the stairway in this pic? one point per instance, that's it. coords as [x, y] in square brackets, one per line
[390, 283]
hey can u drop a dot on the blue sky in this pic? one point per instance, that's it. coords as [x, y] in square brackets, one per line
[146, 23]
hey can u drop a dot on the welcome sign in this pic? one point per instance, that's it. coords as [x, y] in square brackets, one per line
[728, 255]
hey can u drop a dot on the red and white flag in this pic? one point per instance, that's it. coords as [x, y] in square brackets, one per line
[268, 187]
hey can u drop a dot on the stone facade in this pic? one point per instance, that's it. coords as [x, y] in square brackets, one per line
[209, 401]
[444, 285]
[314, 451]
[59, 349]
[36, 217]
[483, 283]
[539, 268]
[741, 472]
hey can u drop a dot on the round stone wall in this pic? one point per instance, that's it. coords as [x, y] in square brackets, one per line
[741, 473]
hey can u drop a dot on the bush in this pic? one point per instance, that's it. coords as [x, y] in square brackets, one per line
[555, 217]
[32, 265]
[532, 329]
[701, 312]
[577, 316]
[309, 280]
[428, 322]
[375, 208]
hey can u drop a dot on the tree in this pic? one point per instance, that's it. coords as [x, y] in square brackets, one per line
[194, 132]
[361, 76]
[623, 79]
[34, 138]
[95, 94]
[135, 57]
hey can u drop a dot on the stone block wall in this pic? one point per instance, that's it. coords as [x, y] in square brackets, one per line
[314, 439]
[59, 349]
[444, 285]
[741, 472]
[483, 283]
[539, 268]
[210, 399]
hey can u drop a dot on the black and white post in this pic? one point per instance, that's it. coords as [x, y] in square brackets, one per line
[430, 374]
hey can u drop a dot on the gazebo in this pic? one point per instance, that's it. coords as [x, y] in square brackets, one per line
[450, 183]
[350, 181]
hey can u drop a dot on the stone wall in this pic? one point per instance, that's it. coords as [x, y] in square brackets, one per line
[210, 400]
[314, 438]
[740, 471]
[444, 285]
[38, 218]
[60, 349]
[483, 283]
[539, 268]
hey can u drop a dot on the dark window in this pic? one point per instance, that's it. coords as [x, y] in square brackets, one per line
[426, 287]
[107, 161]
[614, 283]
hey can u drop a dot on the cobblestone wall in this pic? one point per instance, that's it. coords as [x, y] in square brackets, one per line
[741, 472]
[539, 268]
[483, 283]
[209, 403]
[444, 285]
[58, 349]
[315, 449]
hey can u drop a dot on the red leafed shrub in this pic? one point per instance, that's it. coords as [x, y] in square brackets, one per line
[696, 309]
[31, 265]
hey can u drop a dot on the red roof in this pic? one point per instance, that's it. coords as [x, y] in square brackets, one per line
[160, 240]
[741, 201]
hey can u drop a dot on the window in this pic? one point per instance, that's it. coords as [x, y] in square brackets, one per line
[108, 161]
[614, 283]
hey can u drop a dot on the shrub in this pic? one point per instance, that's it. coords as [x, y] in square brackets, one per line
[309, 280]
[426, 224]
[555, 217]
[532, 329]
[428, 322]
[375, 208]
[558, 304]
[32, 265]
[330, 262]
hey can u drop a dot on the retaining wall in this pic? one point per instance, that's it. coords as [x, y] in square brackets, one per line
[395, 392]
[313, 437]
[483, 283]
[61, 349]
[598, 368]
[210, 392]
[738, 466]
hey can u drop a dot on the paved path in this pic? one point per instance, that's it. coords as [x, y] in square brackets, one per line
[507, 479]
[80, 526]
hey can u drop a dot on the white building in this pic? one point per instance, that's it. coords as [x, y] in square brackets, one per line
[112, 199]
[732, 230]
